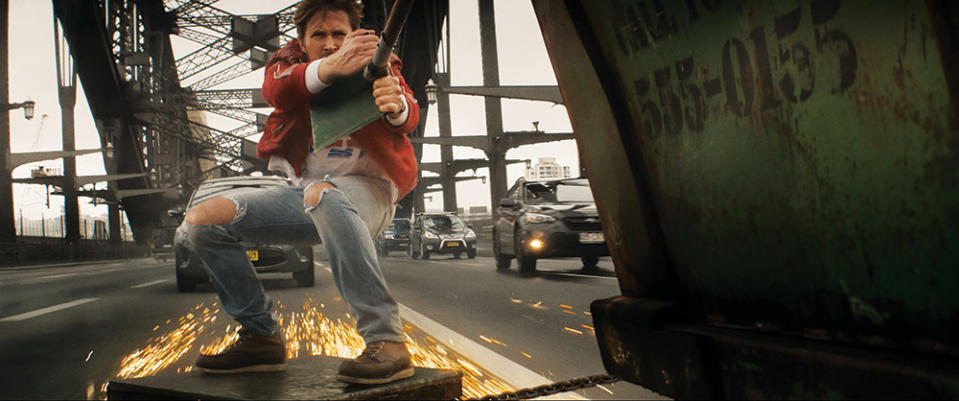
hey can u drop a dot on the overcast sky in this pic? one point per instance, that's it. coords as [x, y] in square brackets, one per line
[523, 60]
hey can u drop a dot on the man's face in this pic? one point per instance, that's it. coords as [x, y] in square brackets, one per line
[324, 33]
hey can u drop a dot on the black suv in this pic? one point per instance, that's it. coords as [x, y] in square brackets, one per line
[266, 258]
[548, 219]
[396, 237]
[441, 233]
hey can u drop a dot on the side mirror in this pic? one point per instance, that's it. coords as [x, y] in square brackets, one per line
[469, 226]
[177, 213]
[507, 203]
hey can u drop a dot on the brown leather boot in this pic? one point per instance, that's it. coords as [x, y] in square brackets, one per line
[250, 353]
[381, 362]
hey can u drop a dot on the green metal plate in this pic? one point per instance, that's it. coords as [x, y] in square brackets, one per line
[341, 109]
[803, 158]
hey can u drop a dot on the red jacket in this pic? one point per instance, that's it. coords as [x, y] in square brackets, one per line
[289, 131]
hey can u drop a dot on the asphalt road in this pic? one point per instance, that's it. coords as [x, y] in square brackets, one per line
[65, 330]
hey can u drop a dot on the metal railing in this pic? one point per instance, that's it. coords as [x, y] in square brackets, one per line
[54, 227]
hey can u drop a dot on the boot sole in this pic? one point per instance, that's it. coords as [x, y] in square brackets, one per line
[365, 380]
[254, 368]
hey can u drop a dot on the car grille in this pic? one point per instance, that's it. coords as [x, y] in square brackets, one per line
[269, 257]
[451, 236]
[583, 223]
[401, 236]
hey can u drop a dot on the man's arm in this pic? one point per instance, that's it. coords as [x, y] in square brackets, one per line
[284, 85]
[395, 99]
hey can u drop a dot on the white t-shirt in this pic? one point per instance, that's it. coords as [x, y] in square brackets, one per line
[339, 159]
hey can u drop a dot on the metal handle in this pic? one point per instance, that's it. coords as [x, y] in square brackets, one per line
[394, 25]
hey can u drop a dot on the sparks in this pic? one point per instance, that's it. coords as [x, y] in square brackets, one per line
[572, 330]
[307, 332]
[526, 355]
[565, 306]
[587, 327]
[568, 312]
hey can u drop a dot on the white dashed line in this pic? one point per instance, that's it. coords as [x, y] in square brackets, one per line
[150, 283]
[44, 311]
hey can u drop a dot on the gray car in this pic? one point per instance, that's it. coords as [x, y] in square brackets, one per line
[266, 258]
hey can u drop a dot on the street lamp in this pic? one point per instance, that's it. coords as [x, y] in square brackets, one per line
[28, 108]
[431, 90]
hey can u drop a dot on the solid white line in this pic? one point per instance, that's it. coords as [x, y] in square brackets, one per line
[579, 275]
[44, 311]
[58, 276]
[150, 283]
[513, 373]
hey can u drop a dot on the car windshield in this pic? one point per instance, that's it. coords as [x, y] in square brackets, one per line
[559, 191]
[400, 225]
[443, 222]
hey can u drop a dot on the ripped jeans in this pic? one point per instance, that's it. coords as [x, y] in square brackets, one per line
[346, 218]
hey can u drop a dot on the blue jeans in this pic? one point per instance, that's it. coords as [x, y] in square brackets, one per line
[346, 218]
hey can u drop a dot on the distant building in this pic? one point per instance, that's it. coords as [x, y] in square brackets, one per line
[546, 168]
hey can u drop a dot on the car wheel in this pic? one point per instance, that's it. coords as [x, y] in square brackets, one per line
[414, 253]
[527, 264]
[184, 283]
[502, 261]
[589, 262]
[305, 278]
[423, 252]
[471, 254]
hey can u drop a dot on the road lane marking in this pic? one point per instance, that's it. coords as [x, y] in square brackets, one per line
[44, 311]
[579, 275]
[513, 373]
[58, 276]
[154, 282]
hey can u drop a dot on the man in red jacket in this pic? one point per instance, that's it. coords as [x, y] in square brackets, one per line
[344, 196]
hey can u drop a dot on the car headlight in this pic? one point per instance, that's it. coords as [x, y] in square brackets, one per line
[470, 234]
[388, 236]
[429, 235]
[538, 218]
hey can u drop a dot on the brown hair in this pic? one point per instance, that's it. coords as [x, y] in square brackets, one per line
[306, 9]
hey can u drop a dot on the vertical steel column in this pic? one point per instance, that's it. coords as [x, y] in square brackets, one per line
[442, 81]
[8, 231]
[66, 83]
[494, 109]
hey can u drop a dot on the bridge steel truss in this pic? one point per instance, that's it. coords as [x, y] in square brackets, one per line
[147, 103]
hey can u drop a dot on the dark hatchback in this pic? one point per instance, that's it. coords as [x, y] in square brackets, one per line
[441, 233]
[548, 219]
[396, 237]
[266, 258]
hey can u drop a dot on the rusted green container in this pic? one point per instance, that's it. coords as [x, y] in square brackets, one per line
[779, 182]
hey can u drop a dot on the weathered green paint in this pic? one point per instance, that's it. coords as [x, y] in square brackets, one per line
[341, 109]
[831, 202]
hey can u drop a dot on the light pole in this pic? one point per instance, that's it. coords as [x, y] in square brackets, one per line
[7, 228]
[431, 90]
[28, 108]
